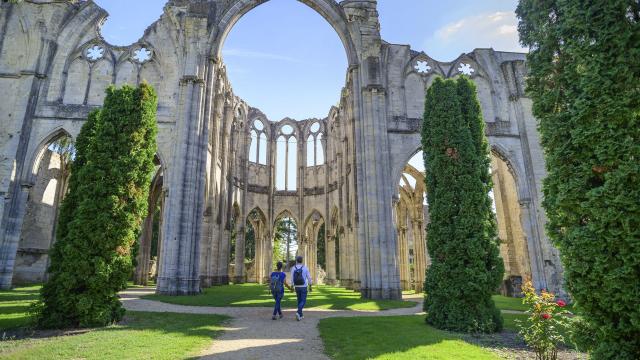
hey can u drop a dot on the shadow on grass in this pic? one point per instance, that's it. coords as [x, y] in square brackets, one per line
[255, 295]
[14, 307]
[139, 335]
[394, 337]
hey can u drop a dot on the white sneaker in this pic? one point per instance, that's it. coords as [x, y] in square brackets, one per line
[298, 317]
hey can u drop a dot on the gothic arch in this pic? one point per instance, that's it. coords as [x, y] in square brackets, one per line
[40, 150]
[330, 10]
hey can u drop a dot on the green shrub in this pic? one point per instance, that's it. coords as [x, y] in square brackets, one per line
[583, 81]
[102, 215]
[466, 267]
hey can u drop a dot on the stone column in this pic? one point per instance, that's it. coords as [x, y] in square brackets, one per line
[182, 223]
[419, 254]
[183, 218]
[239, 269]
[403, 249]
[226, 205]
[12, 230]
[330, 258]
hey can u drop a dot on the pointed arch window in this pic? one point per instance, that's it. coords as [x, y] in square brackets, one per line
[287, 160]
[315, 150]
[253, 148]
[259, 146]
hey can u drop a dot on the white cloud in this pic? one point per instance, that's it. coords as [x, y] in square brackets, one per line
[496, 30]
[257, 55]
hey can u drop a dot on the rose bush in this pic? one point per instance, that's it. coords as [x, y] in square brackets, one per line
[542, 331]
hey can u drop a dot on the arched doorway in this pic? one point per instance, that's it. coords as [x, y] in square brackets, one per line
[311, 247]
[411, 217]
[513, 241]
[50, 172]
[150, 240]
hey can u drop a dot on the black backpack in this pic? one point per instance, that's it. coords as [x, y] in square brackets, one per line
[298, 279]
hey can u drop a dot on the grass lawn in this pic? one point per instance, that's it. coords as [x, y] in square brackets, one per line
[14, 306]
[141, 336]
[509, 303]
[395, 337]
[252, 295]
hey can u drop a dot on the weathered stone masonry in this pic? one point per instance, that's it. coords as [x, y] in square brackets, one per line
[54, 67]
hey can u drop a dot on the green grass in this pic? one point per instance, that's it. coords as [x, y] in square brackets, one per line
[510, 321]
[14, 306]
[255, 295]
[395, 337]
[509, 303]
[142, 336]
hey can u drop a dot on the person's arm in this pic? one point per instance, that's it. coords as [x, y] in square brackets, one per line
[309, 279]
[286, 283]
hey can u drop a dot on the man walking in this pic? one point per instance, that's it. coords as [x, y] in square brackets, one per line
[301, 279]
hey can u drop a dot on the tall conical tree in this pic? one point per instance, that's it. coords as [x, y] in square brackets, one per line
[466, 268]
[583, 81]
[91, 261]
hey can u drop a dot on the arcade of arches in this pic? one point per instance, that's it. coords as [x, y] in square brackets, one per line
[227, 175]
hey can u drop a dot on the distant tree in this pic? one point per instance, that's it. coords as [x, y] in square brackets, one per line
[250, 242]
[583, 80]
[102, 216]
[466, 269]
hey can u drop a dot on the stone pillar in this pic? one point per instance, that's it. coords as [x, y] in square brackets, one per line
[182, 223]
[239, 269]
[12, 230]
[419, 254]
[225, 208]
[379, 269]
[403, 249]
[330, 258]
[268, 263]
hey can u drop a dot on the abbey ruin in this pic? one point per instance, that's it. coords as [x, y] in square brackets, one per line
[218, 156]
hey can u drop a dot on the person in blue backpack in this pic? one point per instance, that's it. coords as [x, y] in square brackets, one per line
[301, 279]
[277, 285]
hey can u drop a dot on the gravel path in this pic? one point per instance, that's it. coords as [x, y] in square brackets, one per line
[251, 334]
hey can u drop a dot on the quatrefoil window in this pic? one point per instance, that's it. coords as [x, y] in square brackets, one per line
[142, 55]
[95, 53]
[422, 67]
[466, 69]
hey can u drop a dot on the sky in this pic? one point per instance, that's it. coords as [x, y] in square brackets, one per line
[285, 59]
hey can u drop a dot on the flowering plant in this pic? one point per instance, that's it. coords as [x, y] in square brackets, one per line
[542, 330]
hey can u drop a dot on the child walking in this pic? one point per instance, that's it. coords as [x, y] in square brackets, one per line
[277, 285]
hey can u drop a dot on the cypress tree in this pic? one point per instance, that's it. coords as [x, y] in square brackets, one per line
[466, 268]
[103, 213]
[584, 76]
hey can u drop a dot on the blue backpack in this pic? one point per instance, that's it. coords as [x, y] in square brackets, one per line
[277, 287]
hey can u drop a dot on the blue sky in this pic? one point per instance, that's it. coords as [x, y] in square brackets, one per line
[285, 59]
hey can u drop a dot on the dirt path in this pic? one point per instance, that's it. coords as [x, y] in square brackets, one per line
[251, 334]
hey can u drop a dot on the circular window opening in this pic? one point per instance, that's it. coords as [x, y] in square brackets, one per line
[315, 127]
[287, 130]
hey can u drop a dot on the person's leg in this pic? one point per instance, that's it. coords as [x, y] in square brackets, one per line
[277, 304]
[278, 309]
[299, 298]
[303, 300]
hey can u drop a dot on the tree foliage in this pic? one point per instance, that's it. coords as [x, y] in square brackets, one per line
[102, 215]
[462, 238]
[584, 76]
